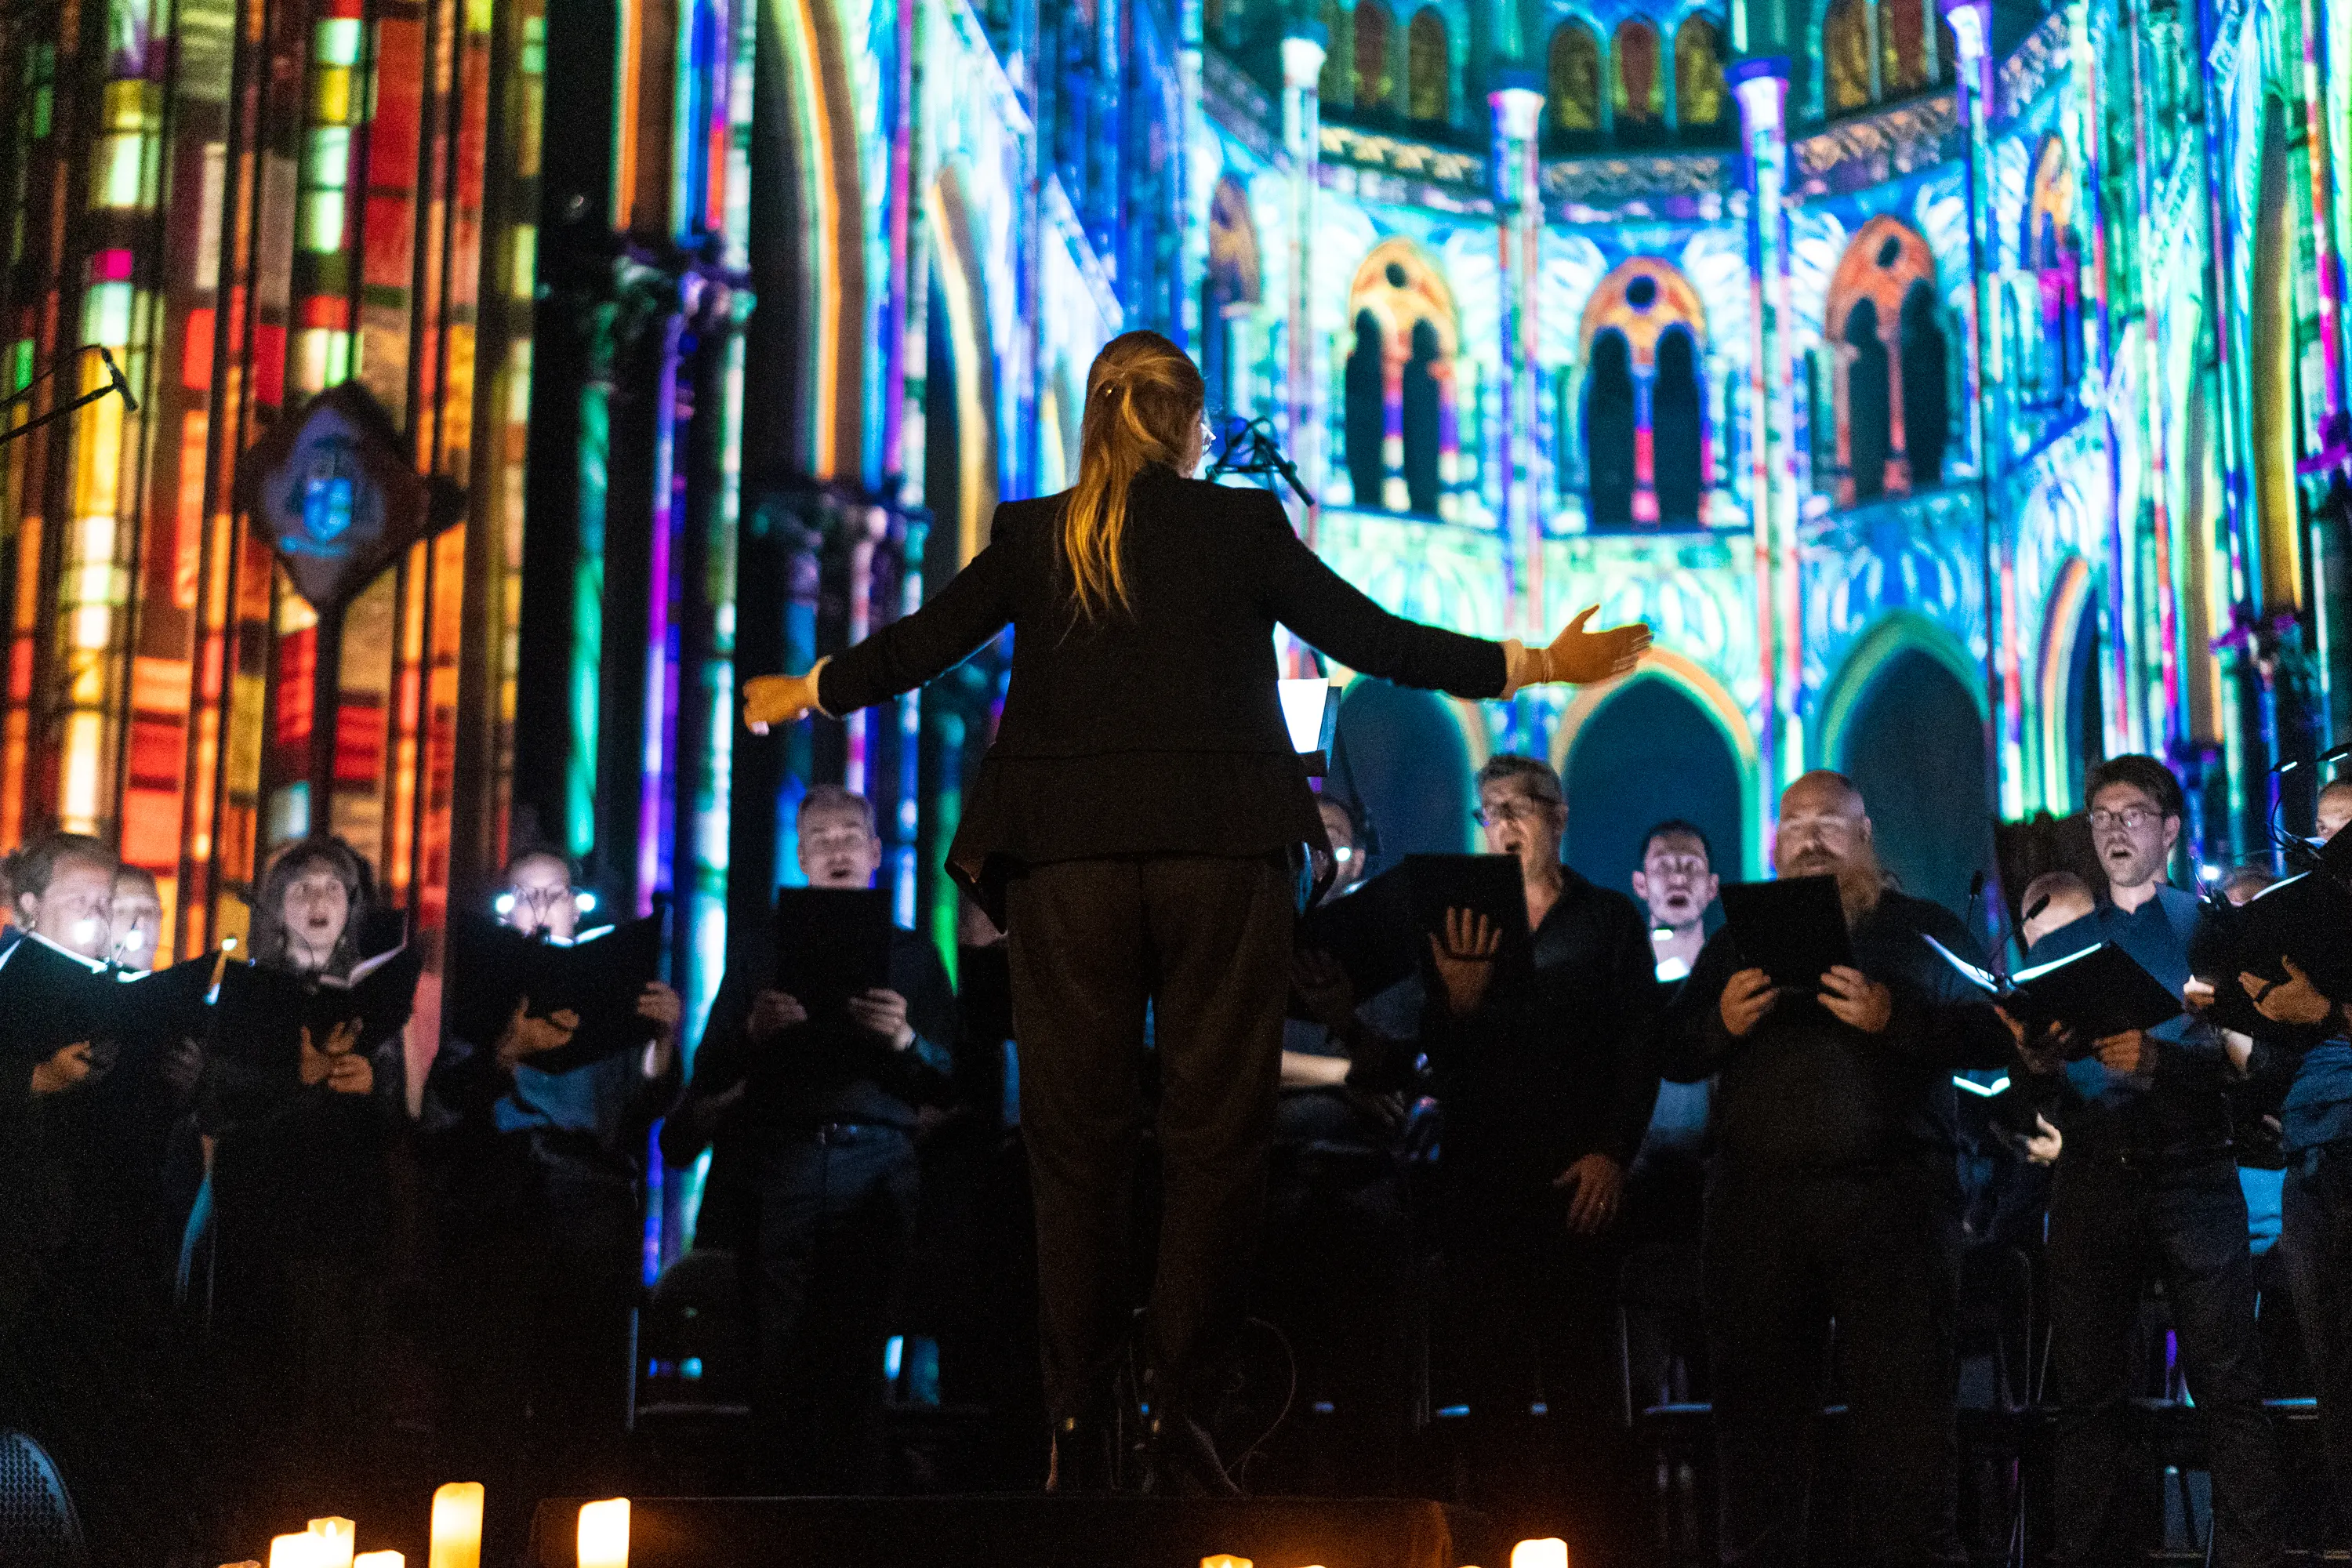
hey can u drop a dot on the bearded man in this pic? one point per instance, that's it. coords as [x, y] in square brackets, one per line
[1833, 1196]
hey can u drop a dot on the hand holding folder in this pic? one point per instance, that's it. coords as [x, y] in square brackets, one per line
[2100, 994]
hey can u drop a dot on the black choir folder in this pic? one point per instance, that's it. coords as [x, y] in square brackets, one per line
[51, 998]
[832, 944]
[2095, 993]
[260, 1012]
[598, 975]
[1793, 929]
[1379, 933]
[2306, 918]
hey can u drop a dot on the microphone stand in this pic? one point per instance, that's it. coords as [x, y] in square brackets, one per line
[115, 385]
[1260, 456]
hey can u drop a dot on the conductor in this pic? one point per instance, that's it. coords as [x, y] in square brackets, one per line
[1136, 826]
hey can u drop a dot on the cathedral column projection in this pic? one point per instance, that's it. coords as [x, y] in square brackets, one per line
[1761, 85]
[1517, 110]
[1302, 138]
[1970, 23]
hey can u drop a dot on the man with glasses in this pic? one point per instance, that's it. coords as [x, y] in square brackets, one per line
[813, 1175]
[1832, 1195]
[2147, 1187]
[1543, 1072]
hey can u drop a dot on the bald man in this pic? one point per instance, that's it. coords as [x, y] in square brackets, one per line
[1833, 1195]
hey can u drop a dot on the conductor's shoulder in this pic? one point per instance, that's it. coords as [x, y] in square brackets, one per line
[1014, 517]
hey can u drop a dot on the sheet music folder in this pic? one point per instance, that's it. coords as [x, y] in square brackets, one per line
[2306, 918]
[260, 1012]
[598, 975]
[1379, 933]
[2097, 991]
[1794, 929]
[831, 944]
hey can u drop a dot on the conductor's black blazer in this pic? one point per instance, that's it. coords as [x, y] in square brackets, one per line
[1155, 731]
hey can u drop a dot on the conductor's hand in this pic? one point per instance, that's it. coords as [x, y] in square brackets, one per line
[777, 699]
[1854, 998]
[2294, 999]
[773, 1012]
[1579, 656]
[883, 1014]
[2131, 1053]
[66, 1069]
[1595, 1185]
[1746, 1000]
[1465, 953]
[526, 1035]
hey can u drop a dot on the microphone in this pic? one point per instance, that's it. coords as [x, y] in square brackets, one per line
[1976, 896]
[2040, 904]
[114, 375]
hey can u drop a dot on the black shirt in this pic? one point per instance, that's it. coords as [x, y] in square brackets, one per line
[1157, 730]
[1804, 1093]
[1556, 1063]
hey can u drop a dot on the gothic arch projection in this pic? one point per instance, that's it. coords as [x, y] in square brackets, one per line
[1230, 291]
[1846, 56]
[1375, 84]
[1877, 330]
[1902, 65]
[2072, 708]
[1399, 389]
[1668, 742]
[1402, 755]
[808, 251]
[2051, 251]
[1643, 340]
[1637, 88]
[1336, 82]
[1907, 691]
[963, 294]
[1701, 101]
[1573, 75]
[1429, 64]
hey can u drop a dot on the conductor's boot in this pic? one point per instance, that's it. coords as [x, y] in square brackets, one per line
[1180, 1458]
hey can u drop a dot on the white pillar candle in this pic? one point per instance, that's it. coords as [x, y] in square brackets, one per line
[337, 1540]
[457, 1526]
[1552, 1552]
[604, 1533]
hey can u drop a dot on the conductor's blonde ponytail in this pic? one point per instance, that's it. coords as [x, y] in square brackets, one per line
[1143, 405]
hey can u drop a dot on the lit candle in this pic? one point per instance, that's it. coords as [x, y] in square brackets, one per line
[336, 1538]
[604, 1533]
[295, 1550]
[1552, 1552]
[1224, 1560]
[457, 1526]
[379, 1560]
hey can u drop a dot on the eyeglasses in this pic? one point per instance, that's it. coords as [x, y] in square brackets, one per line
[1504, 811]
[2133, 818]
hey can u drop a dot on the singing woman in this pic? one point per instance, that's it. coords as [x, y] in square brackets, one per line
[1135, 827]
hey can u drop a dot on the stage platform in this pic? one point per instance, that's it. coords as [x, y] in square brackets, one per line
[1034, 1531]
